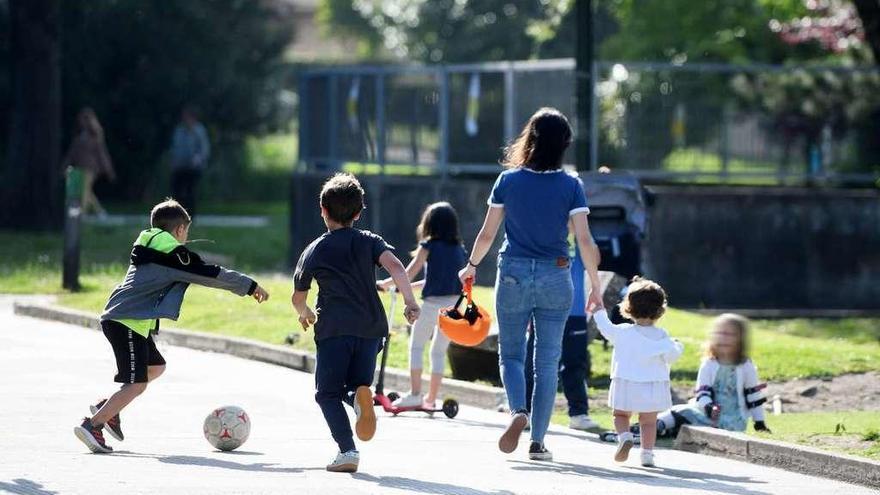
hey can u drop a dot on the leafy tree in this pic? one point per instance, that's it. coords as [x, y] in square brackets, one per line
[137, 63]
[30, 178]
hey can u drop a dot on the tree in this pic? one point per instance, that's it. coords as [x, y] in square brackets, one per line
[137, 63]
[31, 196]
[434, 31]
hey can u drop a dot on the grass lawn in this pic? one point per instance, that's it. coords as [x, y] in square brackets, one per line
[30, 263]
[783, 349]
[848, 432]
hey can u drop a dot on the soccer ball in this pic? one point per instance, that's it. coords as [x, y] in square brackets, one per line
[227, 427]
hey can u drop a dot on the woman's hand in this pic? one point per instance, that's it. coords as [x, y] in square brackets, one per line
[468, 272]
[594, 302]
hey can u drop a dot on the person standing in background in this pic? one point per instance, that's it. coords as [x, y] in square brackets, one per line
[190, 150]
[88, 152]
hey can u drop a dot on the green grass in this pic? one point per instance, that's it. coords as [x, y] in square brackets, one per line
[692, 160]
[31, 262]
[849, 432]
[857, 434]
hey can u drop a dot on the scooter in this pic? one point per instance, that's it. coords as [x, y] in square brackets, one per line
[450, 406]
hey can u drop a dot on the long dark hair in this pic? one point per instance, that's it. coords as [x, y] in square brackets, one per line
[542, 142]
[440, 223]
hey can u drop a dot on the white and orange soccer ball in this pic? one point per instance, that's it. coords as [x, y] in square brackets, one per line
[227, 427]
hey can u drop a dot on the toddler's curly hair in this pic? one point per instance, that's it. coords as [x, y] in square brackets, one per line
[645, 299]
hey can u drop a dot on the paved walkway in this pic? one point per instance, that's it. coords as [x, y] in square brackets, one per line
[49, 372]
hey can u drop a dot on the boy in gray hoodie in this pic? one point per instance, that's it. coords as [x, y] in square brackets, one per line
[160, 272]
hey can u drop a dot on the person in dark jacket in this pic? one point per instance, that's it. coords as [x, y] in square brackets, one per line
[161, 270]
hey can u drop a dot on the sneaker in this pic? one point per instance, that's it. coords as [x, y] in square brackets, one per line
[92, 437]
[583, 422]
[345, 462]
[537, 452]
[624, 443]
[411, 400]
[647, 458]
[365, 425]
[510, 438]
[114, 424]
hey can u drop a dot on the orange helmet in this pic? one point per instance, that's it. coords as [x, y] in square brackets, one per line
[468, 325]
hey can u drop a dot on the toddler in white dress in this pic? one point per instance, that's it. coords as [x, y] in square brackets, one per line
[639, 366]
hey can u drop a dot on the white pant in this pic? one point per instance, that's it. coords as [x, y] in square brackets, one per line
[422, 330]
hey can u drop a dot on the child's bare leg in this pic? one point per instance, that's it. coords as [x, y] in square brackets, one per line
[155, 371]
[118, 401]
[415, 378]
[648, 429]
[436, 380]
[621, 421]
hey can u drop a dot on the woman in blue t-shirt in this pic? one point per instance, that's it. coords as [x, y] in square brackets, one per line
[441, 253]
[538, 203]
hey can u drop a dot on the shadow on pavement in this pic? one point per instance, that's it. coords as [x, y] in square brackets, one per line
[192, 460]
[21, 486]
[421, 486]
[672, 478]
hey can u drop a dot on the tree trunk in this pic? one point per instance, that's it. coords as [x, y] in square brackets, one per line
[869, 12]
[32, 197]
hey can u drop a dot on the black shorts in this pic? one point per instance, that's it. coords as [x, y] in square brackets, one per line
[134, 352]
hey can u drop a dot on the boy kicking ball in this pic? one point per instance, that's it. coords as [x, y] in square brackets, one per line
[350, 322]
[161, 270]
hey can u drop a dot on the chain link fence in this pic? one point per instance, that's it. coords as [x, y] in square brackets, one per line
[757, 124]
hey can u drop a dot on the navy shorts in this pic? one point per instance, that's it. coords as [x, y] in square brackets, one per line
[134, 352]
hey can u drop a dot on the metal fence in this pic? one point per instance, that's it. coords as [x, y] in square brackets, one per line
[694, 122]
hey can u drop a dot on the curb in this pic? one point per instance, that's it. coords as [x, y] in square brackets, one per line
[464, 392]
[788, 456]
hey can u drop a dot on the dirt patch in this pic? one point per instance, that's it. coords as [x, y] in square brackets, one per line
[858, 391]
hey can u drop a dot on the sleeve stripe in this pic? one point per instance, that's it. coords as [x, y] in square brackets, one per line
[584, 209]
[495, 205]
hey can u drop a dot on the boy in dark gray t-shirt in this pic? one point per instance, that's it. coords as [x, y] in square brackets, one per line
[350, 320]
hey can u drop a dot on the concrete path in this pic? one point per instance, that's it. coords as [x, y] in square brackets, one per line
[49, 373]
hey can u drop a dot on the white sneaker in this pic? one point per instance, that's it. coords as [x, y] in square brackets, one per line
[345, 462]
[624, 444]
[411, 400]
[647, 458]
[583, 422]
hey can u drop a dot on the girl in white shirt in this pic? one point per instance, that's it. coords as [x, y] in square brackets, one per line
[639, 366]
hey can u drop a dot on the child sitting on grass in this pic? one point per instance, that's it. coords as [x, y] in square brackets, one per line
[639, 366]
[161, 270]
[441, 253]
[350, 320]
[728, 392]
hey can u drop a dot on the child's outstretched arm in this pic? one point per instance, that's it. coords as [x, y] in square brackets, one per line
[187, 266]
[307, 317]
[606, 328]
[398, 274]
[412, 270]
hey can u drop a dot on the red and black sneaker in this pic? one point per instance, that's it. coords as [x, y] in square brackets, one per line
[114, 424]
[92, 436]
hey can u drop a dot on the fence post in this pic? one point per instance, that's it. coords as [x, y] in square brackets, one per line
[72, 212]
[443, 114]
[594, 120]
[509, 103]
[333, 121]
[380, 120]
[724, 142]
[303, 122]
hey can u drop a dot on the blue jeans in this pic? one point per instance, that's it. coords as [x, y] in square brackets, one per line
[343, 364]
[573, 367]
[541, 290]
